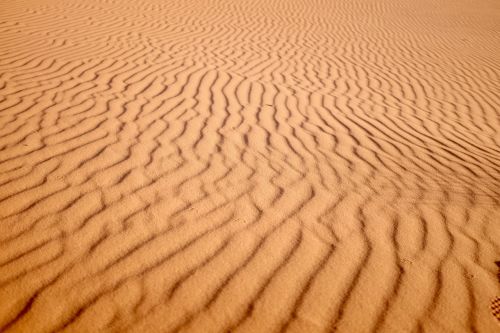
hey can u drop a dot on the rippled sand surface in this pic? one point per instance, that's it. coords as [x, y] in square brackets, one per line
[249, 166]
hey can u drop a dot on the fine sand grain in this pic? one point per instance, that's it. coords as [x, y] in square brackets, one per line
[249, 165]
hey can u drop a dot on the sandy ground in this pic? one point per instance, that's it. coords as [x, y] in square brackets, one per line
[249, 166]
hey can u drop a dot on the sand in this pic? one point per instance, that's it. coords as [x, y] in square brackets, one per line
[249, 166]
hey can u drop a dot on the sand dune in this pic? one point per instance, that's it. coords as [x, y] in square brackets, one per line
[249, 166]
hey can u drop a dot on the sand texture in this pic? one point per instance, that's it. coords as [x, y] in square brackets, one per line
[249, 165]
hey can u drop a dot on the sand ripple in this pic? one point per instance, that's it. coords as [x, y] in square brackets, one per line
[249, 166]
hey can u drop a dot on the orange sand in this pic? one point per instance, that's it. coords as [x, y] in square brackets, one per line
[249, 166]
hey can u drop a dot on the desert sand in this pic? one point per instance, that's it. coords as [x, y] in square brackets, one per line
[249, 166]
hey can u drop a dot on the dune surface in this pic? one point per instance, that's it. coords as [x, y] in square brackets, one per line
[249, 166]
